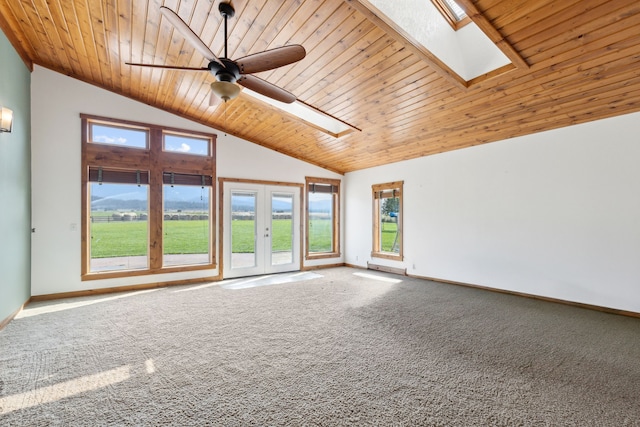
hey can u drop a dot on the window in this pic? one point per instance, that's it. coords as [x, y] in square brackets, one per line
[146, 199]
[387, 220]
[281, 225]
[103, 133]
[323, 213]
[118, 226]
[186, 219]
[452, 12]
[186, 144]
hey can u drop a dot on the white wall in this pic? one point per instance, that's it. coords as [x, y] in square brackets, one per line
[554, 214]
[57, 102]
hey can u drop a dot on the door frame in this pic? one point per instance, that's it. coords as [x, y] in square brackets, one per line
[222, 181]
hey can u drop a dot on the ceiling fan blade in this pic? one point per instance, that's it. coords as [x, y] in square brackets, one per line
[265, 88]
[169, 67]
[188, 34]
[270, 59]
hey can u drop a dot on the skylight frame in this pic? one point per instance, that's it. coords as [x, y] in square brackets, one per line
[452, 13]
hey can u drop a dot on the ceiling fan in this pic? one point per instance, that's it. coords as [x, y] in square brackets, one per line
[229, 72]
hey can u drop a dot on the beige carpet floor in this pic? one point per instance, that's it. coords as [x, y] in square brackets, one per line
[351, 347]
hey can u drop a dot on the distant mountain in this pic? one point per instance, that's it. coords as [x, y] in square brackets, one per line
[118, 191]
[247, 204]
[132, 197]
[111, 204]
[320, 206]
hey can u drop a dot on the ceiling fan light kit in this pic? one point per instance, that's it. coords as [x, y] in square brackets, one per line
[224, 90]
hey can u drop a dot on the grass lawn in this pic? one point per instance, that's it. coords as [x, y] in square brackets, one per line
[129, 238]
[114, 239]
[243, 232]
[186, 237]
[389, 231]
[320, 235]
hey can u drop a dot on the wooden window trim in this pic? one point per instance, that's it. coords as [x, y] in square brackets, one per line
[449, 16]
[335, 252]
[154, 162]
[380, 192]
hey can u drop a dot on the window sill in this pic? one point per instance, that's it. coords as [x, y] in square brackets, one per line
[146, 272]
[310, 257]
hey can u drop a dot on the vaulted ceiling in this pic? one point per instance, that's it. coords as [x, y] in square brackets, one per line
[574, 61]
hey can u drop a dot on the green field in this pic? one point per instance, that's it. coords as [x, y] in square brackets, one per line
[320, 235]
[242, 239]
[129, 238]
[114, 239]
[388, 236]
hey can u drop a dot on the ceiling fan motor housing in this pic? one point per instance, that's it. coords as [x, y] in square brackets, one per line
[229, 73]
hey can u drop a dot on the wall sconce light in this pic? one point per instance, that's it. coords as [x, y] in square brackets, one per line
[6, 119]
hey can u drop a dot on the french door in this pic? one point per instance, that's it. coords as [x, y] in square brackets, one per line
[261, 229]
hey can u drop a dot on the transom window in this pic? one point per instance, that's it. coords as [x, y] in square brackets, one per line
[387, 220]
[112, 134]
[146, 199]
[186, 144]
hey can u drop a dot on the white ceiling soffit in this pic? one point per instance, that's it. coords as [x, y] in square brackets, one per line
[318, 119]
[468, 51]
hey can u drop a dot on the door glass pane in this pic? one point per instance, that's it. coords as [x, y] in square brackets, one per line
[320, 222]
[118, 226]
[243, 229]
[281, 228]
[186, 225]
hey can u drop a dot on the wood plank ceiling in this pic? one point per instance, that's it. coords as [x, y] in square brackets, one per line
[583, 60]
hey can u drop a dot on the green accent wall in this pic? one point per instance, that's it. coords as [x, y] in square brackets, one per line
[15, 182]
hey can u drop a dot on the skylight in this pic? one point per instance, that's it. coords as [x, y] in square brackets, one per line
[308, 114]
[456, 10]
[465, 49]
[452, 13]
